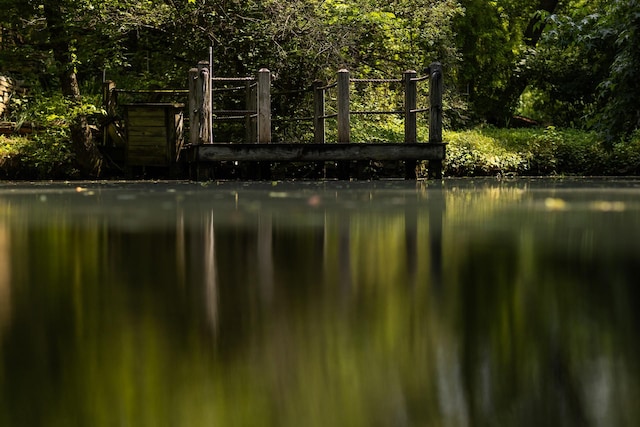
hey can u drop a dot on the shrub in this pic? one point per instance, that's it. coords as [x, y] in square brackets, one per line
[550, 151]
[46, 153]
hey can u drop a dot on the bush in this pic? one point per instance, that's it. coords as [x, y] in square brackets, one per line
[492, 151]
[46, 153]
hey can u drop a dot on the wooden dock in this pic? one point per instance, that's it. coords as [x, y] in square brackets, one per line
[294, 152]
[201, 155]
[203, 158]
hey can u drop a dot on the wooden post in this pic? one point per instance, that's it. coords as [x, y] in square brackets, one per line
[264, 106]
[319, 121]
[344, 128]
[410, 124]
[250, 118]
[318, 112]
[205, 135]
[436, 88]
[194, 103]
[109, 97]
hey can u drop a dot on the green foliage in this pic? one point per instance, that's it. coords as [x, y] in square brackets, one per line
[618, 93]
[491, 39]
[584, 71]
[580, 65]
[47, 153]
[550, 151]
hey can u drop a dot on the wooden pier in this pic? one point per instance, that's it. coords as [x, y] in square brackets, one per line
[201, 154]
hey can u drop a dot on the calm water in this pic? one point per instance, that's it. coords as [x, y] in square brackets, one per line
[466, 303]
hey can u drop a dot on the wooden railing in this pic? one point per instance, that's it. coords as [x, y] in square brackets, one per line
[204, 91]
[258, 119]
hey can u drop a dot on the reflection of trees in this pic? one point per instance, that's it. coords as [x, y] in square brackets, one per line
[534, 320]
[5, 276]
[450, 318]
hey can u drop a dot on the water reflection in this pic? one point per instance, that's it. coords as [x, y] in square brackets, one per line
[5, 278]
[456, 303]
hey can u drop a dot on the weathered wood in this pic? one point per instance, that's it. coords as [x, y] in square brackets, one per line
[313, 152]
[155, 151]
[148, 135]
[410, 122]
[205, 134]
[410, 102]
[194, 102]
[435, 100]
[264, 106]
[250, 120]
[154, 131]
[436, 88]
[318, 112]
[178, 134]
[344, 126]
[109, 97]
[149, 121]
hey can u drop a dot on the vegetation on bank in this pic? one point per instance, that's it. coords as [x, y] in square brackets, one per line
[571, 64]
[538, 152]
[481, 151]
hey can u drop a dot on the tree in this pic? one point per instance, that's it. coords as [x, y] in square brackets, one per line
[618, 111]
[496, 40]
[61, 39]
[566, 67]
[585, 69]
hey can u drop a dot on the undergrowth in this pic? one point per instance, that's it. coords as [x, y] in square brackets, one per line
[491, 151]
[482, 151]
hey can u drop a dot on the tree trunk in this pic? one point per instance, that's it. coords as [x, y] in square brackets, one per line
[88, 157]
[534, 29]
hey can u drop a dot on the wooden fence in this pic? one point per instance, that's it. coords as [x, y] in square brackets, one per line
[258, 105]
[202, 148]
[258, 122]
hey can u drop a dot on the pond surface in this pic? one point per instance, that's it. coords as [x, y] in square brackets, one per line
[392, 303]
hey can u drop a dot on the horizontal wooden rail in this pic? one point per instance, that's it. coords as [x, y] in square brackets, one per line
[291, 152]
[365, 113]
[232, 79]
[150, 91]
[376, 80]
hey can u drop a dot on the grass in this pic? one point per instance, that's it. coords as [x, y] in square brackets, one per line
[486, 151]
[38, 156]
[482, 151]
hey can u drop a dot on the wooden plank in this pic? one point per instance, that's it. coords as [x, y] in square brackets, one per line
[147, 156]
[146, 111]
[158, 145]
[315, 152]
[148, 132]
[135, 121]
[148, 150]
